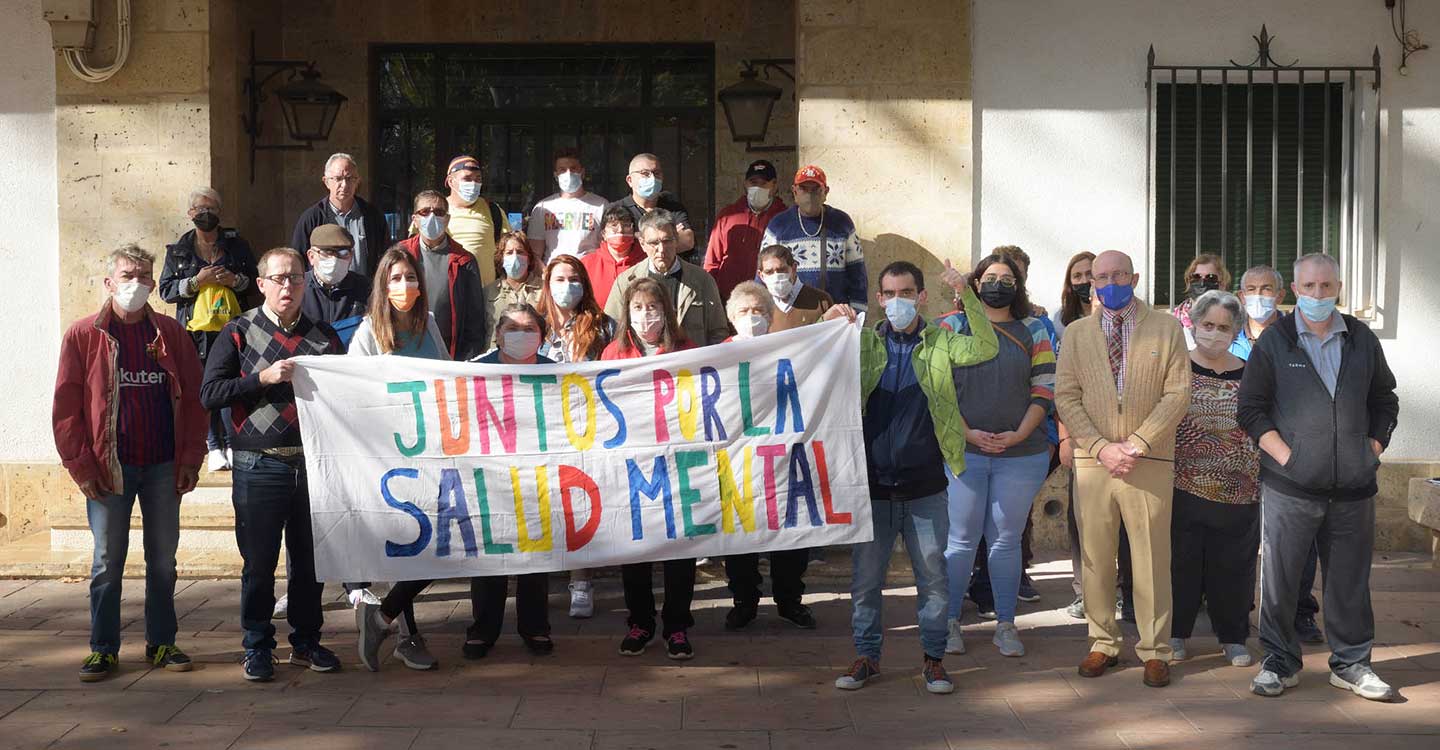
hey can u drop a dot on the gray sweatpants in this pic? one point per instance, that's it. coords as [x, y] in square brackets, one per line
[1345, 533]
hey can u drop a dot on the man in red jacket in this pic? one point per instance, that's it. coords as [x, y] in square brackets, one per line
[128, 423]
[734, 249]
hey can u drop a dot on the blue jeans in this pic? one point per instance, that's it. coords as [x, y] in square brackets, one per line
[272, 502]
[991, 499]
[110, 523]
[924, 523]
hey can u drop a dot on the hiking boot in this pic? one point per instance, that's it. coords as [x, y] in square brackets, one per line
[635, 641]
[98, 666]
[798, 615]
[863, 670]
[937, 680]
[740, 615]
[168, 657]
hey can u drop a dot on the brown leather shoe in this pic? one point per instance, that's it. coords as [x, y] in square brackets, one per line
[1096, 663]
[1157, 673]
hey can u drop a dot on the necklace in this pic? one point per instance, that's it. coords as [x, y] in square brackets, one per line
[818, 226]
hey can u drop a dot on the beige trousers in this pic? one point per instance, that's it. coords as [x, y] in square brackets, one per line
[1142, 501]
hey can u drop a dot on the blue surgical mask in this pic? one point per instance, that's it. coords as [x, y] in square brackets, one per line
[1315, 309]
[1259, 308]
[514, 266]
[432, 227]
[566, 294]
[647, 187]
[900, 312]
[1115, 296]
[469, 191]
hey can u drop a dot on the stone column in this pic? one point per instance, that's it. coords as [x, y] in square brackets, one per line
[885, 109]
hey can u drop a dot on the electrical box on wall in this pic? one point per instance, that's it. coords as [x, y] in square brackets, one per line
[72, 23]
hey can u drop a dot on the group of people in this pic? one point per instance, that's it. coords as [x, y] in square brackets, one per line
[1179, 431]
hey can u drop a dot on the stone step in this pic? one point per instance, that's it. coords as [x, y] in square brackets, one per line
[34, 557]
[207, 523]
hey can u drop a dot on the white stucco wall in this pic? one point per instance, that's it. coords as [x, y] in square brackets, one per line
[29, 294]
[1060, 142]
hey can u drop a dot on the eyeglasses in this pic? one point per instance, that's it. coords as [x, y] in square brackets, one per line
[428, 211]
[1118, 277]
[285, 279]
[1208, 278]
[334, 252]
[1007, 282]
[648, 172]
[342, 179]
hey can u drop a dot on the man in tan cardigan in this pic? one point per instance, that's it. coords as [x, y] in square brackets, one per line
[1121, 389]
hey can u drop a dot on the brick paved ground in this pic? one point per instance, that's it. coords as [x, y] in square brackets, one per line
[769, 687]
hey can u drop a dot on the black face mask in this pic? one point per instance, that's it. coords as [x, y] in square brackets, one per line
[1198, 288]
[997, 296]
[206, 221]
[1082, 292]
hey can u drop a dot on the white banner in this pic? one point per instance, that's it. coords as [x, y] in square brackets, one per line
[422, 469]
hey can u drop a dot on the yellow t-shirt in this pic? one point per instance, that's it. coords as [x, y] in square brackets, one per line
[471, 227]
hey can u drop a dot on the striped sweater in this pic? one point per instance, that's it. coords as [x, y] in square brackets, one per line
[1157, 386]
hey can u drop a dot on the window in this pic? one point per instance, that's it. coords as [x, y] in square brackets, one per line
[514, 105]
[1261, 165]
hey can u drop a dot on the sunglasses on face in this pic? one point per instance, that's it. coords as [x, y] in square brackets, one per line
[427, 211]
[1209, 278]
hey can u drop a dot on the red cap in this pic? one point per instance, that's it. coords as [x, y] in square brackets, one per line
[811, 173]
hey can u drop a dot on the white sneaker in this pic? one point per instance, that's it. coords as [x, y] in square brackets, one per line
[1177, 650]
[282, 607]
[1270, 684]
[955, 641]
[1007, 639]
[582, 600]
[1236, 654]
[362, 595]
[216, 460]
[1369, 686]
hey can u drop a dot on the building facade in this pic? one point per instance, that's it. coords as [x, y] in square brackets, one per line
[946, 127]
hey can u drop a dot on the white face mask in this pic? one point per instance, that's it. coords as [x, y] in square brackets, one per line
[514, 266]
[648, 326]
[520, 344]
[1259, 308]
[779, 284]
[566, 294]
[330, 269]
[901, 312]
[1211, 342]
[432, 227]
[569, 182]
[131, 295]
[748, 326]
[757, 197]
[469, 191]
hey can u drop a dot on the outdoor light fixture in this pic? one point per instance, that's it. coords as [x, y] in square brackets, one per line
[749, 103]
[309, 106]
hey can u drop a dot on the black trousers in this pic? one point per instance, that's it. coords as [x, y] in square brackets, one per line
[400, 600]
[1307, 604]
[1213, 547]
[487, 606]
[679, 592]
[787, 573]
[272, 506]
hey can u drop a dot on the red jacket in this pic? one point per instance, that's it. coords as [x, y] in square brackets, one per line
[620, 348]
[734, 249]
[603, 269]
[87, 391]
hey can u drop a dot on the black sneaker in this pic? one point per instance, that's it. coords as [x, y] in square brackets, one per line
[798, 614]
[98, 666]
[677, 646]
[168, 657]
[635, 641]
[740, 615]
[473, 650]
[1027, 590]
[316, 657]
[1307, 630]
[259, 665]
